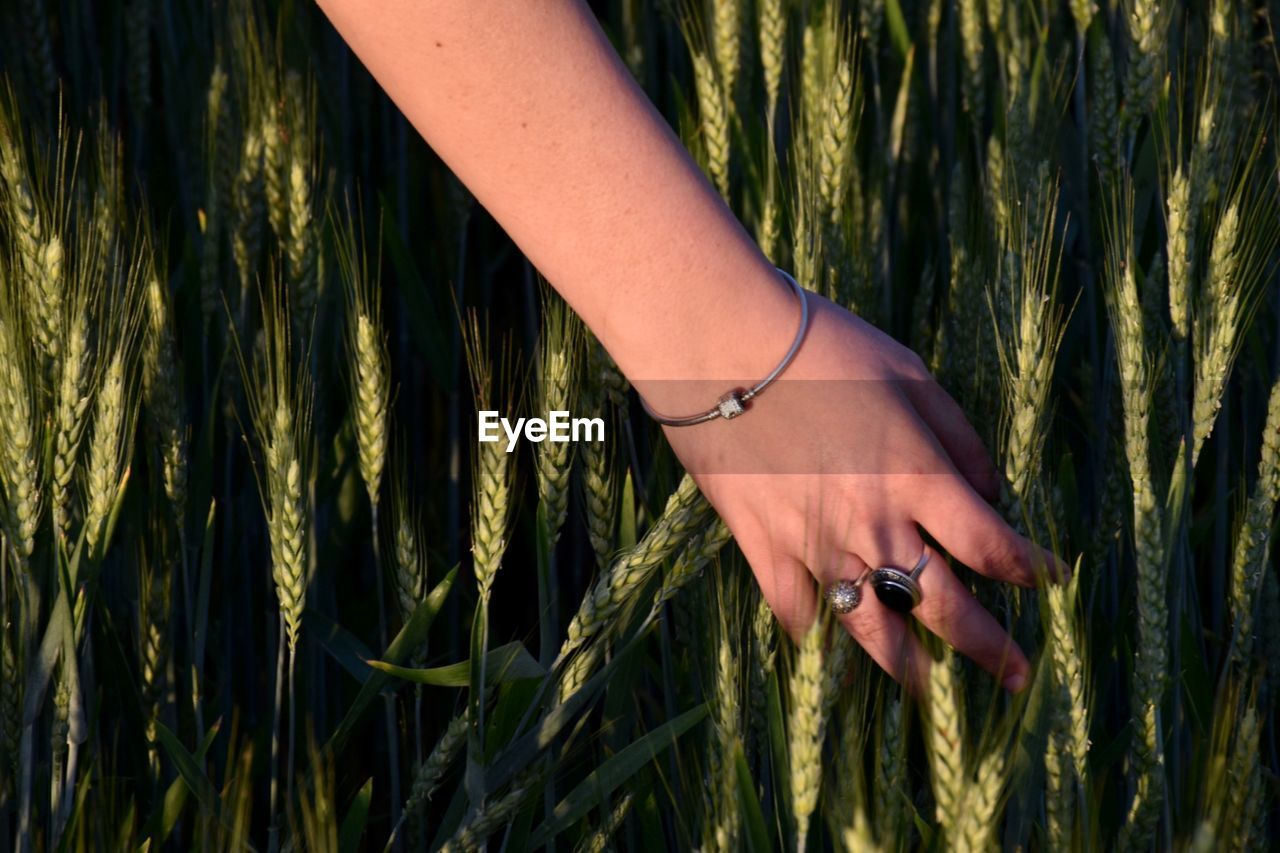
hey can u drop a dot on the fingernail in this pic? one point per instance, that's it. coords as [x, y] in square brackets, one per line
[1015, 682]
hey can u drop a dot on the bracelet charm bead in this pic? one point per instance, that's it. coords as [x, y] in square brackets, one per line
[731, 405]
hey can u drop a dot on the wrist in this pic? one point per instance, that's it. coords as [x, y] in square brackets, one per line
[722, 330]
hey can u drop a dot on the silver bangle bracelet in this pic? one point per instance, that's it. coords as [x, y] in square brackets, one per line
[733, 403]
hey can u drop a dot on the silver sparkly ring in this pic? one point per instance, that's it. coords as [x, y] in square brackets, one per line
[733, 403]
[844, 595]
[898, 589]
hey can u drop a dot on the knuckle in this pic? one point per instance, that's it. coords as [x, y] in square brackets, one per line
[865, 626]
[990, 479]
[944, 612]
[882, 551]
[914, 366]
[1004, 554]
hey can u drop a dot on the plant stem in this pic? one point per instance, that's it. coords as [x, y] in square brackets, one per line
[273, 832]
[30, 606]
[388, 701]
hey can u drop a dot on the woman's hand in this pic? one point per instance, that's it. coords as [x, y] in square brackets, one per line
[838, 462]
[835, 468]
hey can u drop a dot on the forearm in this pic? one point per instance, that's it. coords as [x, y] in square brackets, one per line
[526, 101]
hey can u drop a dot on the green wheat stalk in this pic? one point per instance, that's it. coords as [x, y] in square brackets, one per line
[685, 513]
[1148, 26]
[493, 469]
[773, 52]
[724, 821]
[890, 774]
[370, 376]
[559, 353]
[805, 727]
[598, 841]
[161, 388]
[726, 37]
[946, 748]
[1151, 658]
[714, 111]
[1253, 542]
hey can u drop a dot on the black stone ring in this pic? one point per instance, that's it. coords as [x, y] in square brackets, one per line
[898, 589]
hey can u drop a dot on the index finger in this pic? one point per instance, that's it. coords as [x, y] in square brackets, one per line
[973, 532]
[957, 436]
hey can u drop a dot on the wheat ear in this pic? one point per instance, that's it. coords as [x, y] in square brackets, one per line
[724, 824]
[21, 474]
[161, 390]
[805, 725]
[1082, 12]
[493, 469]
[1068, 745]
[559, 354]
[714, 111]
[890, 774]
[701, 547]
[683, 515]
[275, 166]
[493, 814]
[218, 123]
[1153, 617]
[979, 819]
[1148, 28]
[1104, 122]
[598, 841]
[1244, 785]
[1253, 543]
[427, 779]
[246, 240]
[971, 31]
[835, 142]
[763, 658]
[726, 29]
[1216, 327]
[773, 51]
[945, 742]
[72, 408]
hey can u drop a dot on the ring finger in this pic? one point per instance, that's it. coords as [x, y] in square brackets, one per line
[884, 634]
[951, 612]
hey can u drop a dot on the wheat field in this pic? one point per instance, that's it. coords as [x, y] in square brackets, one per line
[261, 588]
